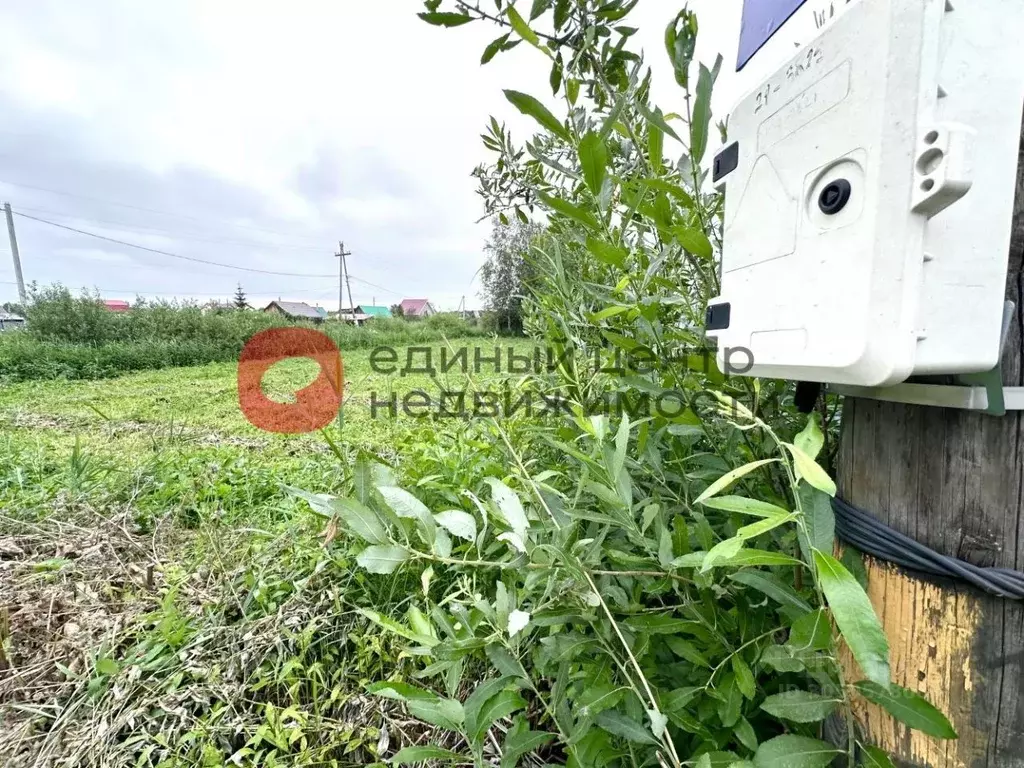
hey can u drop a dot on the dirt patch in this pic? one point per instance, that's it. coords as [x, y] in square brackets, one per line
[66, 585]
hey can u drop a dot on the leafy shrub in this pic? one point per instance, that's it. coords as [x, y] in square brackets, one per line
[78, 338]
[659, 589]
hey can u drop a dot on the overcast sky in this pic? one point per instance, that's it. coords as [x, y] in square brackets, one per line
[260, 134]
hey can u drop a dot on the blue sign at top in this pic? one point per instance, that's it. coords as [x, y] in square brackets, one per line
[761, 20]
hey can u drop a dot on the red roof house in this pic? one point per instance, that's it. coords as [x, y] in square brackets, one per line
[116, 305]
[417, 308]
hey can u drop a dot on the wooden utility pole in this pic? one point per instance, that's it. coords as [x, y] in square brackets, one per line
[954, 481]
[343, 280]
[15, 254]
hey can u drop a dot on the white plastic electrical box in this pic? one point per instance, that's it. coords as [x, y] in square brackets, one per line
[869, 186]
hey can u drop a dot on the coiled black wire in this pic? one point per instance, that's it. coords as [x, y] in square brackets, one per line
[873, 537]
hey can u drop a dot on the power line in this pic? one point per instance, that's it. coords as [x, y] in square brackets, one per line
[166, 253]
[141, 229]
[310, 291]
[139, 208]
[379, 287]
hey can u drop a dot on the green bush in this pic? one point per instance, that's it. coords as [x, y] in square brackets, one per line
[79, 338]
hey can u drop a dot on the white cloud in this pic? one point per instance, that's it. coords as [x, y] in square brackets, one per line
[325, 121]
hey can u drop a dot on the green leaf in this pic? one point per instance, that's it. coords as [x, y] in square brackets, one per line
[400, 691]
[681, 42]
[745, 557]
[607, 312]
[811, 632]
[744, 677]
[510, 506]
[729, 478]
[530, 107]
[444, 713]
[411, 755]
[855, 618]
[790, 751]
[618, 724]
[572, 90]
[574, 212]
[659, 721]
[419, 623]
[723, 551]
[361, 520]
[457, 523]
[656, 147]
[810, 440]
[752, 531]
[555, 80]
[439, 19]
[800, 706]
[606, 253]
[745, 506]
[772, 586]
[521, 741]
[594, 161]
[730, 706]
[684, 649]
[695, 241]
[503, 661]
[701, 121]
[399, 629]
[357, 518]
[678, 699]
[809, 470]
[908, 707]
[779, 657]
[819, 519]
[873, 757]
[492, 50]
[107, 666]
[745, 735]
[522, 28]
[404, 503]
[657, 624]
[488, 703]
[665, 551]
[657, 120]
[673, 190]
[382, 559]
[538, 8]
[853, 559]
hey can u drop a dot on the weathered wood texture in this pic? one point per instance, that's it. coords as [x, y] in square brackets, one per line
[954, 481]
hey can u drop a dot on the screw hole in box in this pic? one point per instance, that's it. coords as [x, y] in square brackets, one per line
[928, 185]
[930, 161]
[931, 137]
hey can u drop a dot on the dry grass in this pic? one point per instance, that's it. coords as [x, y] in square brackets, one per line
[68, 584]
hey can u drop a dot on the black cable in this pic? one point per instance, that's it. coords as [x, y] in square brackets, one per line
[875, 538]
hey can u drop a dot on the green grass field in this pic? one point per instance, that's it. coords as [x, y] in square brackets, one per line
[176, 439]
[152, 492]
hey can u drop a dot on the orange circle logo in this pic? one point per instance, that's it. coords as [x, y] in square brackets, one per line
[315, 406]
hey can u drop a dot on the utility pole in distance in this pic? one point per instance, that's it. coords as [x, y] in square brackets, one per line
[343, 279]
[22, 295]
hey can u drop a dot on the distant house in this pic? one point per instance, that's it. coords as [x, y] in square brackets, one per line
[10, 321]
[116, 305]
[357, 317]
[372, 311]
[296, 310]
[417, 308]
